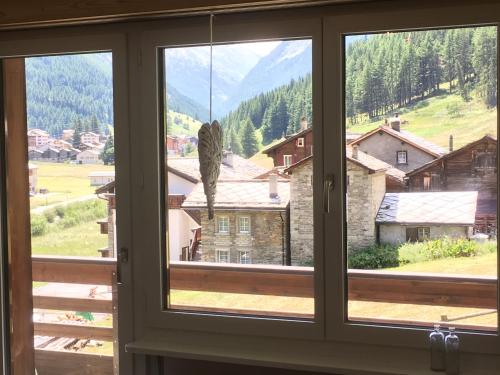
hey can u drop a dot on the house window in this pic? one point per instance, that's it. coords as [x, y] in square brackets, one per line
[300, 142]
[418, 234]
[402, 157]
[222, 256]
[287, 160]
[485, 161]
[427, 183]
[244, 224]
[244, 257]
[223, 224]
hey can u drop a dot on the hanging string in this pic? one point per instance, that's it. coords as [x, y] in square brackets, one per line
[211, 60]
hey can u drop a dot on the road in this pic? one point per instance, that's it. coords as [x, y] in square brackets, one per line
[42, 209]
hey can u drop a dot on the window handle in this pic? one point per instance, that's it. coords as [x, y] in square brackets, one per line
[329, 186]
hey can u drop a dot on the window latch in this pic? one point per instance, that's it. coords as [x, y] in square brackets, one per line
[122, 257]
[328, 188]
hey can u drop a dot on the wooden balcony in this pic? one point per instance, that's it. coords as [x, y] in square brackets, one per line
[374, 286]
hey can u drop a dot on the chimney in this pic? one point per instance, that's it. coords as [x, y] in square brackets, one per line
[451, 143]
[228, 158]
[396, 122]
[273, 186]
[355, 152]
[303, 124]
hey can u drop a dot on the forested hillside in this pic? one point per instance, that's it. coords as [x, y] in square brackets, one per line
[62, 89]
[393, 70]
[273, 114]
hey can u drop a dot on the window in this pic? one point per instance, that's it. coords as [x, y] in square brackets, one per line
[244, 257]
[255, 208]
[223, 224]
[431, 219]
[244, 224]
[402, 157]
[223, 256]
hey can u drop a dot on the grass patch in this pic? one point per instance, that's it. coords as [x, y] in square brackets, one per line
[436, 118]
[385, 256]
[81, 240]
[64, 181]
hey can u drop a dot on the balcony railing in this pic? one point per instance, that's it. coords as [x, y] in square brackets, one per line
[373, 286]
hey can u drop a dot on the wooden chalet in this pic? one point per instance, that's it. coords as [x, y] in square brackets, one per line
[470, 168]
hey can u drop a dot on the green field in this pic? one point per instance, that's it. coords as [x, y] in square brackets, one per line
[81, 240]
[64, 181]
[181, 124]
[438, 117]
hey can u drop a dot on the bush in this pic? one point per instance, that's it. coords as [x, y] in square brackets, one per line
[385, 256]
[374, 257]
[39, 225]
[81, 212]
[50, 215]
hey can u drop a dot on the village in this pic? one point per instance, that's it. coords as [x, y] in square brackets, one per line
[400, 188]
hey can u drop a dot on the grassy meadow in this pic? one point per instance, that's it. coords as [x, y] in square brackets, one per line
[437, 117]
[64, 181]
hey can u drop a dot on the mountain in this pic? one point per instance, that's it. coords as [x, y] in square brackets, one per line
[289, 60]
[60, 89]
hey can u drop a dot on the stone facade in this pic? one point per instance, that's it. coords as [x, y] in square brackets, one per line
[265, 241]
[384, 147]
[395, 234]
[302, 215]
[365, 192]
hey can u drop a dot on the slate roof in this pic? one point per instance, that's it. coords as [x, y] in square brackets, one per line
[242, 169]
[407, 137]
[246, 194]
[457, 208]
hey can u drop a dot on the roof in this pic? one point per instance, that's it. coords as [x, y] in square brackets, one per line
[363, 160]
[287, 140]
[102, 174]
[486, 138]
[458, 208]
[189, 168]
[108, 188]
[32, 166]
[94, 152]
[247, 194]
[407, 137]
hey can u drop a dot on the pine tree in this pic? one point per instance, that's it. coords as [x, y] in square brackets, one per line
[108, 153]
[77, 127]
[248, 139]
[94, 125]
[234, 142]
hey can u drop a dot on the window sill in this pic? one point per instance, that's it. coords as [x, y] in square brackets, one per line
[314, 356]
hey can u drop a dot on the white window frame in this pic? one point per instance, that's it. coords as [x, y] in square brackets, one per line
[402, 19]
[221, 219]
[222, 256]
[398, 159]
[247, 231]
[289, 158]
[178, 33]
[300, 142]
[244, 257]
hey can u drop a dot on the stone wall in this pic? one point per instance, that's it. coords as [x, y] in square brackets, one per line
[365, 192]
[395, 234]
[264, 242]
[384, 147]
[302, 215]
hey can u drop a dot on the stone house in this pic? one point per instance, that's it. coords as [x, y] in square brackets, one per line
[88, 157]
[469, 168]
[397, 147]
[366, 186]
[250, 222]
[412, 217]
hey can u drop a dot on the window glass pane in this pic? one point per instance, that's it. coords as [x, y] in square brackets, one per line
[263, 207]
[422, 227]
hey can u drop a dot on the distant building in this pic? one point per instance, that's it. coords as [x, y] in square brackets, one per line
[37, 137]
[34, 154]
[292, 149]
[89, 138]
[33, 176]
[51, 154]
[67, 134]
[100, 178]
[415, 217]
[88, 157]
[397, 147]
